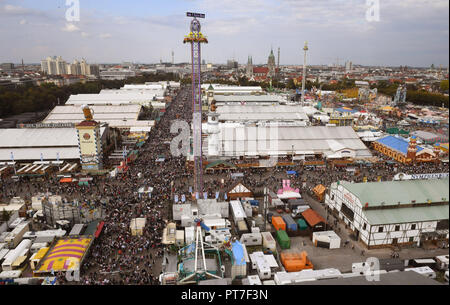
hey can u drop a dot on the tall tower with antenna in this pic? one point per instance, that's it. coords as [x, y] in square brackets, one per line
[278, 64]
[305, 48]
[195, 38]
[173, 61]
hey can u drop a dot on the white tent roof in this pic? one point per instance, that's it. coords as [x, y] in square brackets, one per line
[38, 137]
[240, 188]
[261, 112]
[282, 140]
[101, 113]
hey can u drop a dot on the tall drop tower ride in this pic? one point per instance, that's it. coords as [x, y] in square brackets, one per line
[305, 48]
[195, 38]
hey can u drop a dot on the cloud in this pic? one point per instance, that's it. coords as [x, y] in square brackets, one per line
[105, 35]
[70, 27]
[410, 32]
[13, 8]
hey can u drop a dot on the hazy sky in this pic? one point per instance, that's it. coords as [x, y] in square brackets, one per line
[409, 32]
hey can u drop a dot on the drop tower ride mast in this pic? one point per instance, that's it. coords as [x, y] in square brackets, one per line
[195, 38]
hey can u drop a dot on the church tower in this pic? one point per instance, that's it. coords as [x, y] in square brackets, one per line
[249, 71]
[271, 64]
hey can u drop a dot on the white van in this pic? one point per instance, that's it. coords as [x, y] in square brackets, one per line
[442, 262]
[425, 271]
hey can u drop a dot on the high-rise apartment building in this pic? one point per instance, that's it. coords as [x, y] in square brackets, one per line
[57, 66]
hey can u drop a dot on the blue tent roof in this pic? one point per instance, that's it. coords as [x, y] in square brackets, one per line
[238, 254]
[398, 144]
[345, 110]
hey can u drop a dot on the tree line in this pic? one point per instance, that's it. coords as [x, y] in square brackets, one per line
[33, 98]
[414, 94]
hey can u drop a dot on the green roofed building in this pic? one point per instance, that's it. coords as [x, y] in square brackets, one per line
[394, 212]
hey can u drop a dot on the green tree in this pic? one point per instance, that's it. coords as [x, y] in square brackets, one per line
[444, 85]
[6, 215]
[290, 84]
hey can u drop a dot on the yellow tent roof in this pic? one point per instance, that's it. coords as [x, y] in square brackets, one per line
[65, 255]
[41, 253]
[387, 108]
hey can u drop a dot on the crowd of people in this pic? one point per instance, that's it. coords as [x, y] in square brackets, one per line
[118, 257]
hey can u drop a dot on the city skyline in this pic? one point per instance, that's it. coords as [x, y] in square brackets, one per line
[413, 33]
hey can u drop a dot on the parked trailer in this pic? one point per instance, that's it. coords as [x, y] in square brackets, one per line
[326, 239]
[179, 238]
[218, 236]
[423, 262]
[216, 223]
[283, 239]
[392, 264]
[35, 247]
[16, 222]
[425, 271]
[242, 227]
[16, 235]
[269, 242]
[269, 217]
[278, 223]
[21, 250]
[442, 262]
[77, 229]
[263, 270]
[362, 273]
[237, 211]
[47, 233]
[255, 230]
[290, 223]
[388, 265]
[3, 253]
[286, 278]
[254, 202]
[253, 280]
[10, 274]
[251, 239]
[261, 265]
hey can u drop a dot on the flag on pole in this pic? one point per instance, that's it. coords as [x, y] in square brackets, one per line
[225, 196]
[196, 195]
[205, 195]
[190, 189]
[217, 195]
[183, 198]
[176, 198]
